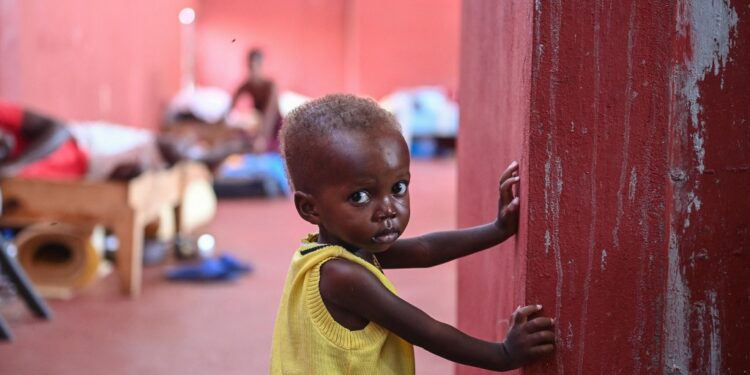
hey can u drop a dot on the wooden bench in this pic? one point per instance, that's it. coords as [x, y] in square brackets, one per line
[123, 207]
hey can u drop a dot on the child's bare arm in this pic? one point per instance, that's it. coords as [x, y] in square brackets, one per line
[352, 288]
[440, 247]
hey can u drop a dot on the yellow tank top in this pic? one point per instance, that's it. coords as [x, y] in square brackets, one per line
[308, 341]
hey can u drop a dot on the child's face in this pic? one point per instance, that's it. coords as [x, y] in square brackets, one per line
[364, 201]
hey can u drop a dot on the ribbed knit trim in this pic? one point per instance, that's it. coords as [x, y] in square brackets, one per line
[339, 335]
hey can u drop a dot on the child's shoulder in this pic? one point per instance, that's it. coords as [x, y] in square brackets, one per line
[346, 283]
[341, 270]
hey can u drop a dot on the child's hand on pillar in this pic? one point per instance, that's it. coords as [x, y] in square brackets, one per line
[528, 339]
[509, 202]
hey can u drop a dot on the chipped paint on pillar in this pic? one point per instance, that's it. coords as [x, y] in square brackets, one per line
[598, 109]
[707, 284]
[553, 186]
[676, 328]
[553, 169]
[714, 361]
[709, 27]
[635, 136]
[629, 95]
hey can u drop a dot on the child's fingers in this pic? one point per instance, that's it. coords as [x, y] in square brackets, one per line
[539, 324]
[506, 189]
[541, 338]
[522, 313]
[513, 206]
[542, 350]
[512, 168]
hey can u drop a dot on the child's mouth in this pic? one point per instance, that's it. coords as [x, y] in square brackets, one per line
[386, 236]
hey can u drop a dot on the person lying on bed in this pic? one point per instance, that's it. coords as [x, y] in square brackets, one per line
[34, 145]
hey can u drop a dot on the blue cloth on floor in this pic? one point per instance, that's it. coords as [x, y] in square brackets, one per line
[233, 264]
[223, 268]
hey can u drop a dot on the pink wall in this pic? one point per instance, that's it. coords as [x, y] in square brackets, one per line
[10, 28]
[635, 176]
[302, 39]
[120, 61]
[322, 46]
[406, 43]
[115, 60]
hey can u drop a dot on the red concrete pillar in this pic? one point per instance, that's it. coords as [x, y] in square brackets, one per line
[632, 122]
[495, 85]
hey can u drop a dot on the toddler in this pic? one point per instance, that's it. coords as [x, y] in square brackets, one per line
[349, 167]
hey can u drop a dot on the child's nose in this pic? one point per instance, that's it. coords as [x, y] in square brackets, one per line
[386, 210]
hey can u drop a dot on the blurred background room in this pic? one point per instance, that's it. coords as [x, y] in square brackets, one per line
[167, 252]
[146, 224]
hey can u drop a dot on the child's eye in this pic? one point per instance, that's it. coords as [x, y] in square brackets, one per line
[400, 188]
[360, 197]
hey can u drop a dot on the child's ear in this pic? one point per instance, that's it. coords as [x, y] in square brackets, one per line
[305, 204]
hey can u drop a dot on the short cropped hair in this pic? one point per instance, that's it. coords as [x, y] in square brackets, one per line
[311, 125]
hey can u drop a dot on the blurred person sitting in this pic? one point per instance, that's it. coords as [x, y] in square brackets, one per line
[264, 94]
